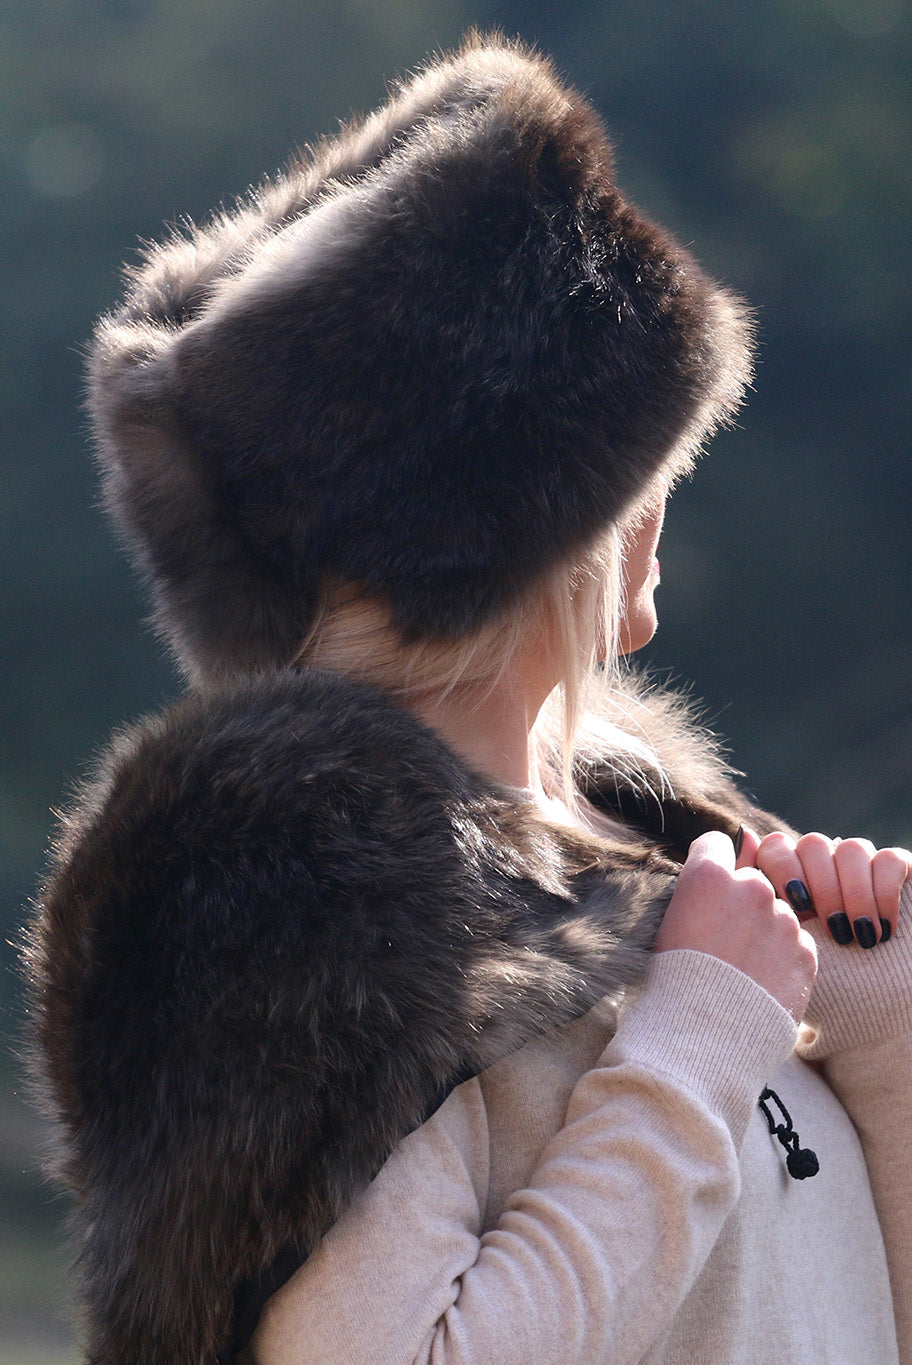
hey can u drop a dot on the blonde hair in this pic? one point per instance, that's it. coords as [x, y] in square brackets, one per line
[577, 605]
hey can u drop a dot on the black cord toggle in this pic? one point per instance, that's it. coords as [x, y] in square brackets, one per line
[800, 1161]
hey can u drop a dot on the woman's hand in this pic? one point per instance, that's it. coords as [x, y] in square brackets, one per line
[734, 914]
[852, 886]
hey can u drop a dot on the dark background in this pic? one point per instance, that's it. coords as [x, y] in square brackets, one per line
[773, 135]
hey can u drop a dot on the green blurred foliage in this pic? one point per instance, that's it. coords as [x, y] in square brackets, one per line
[775, 136]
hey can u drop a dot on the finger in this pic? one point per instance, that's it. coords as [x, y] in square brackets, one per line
[746, 846]
[780, 864]
[854, 859]
[816, 853]
[713, 847]
[890, 869]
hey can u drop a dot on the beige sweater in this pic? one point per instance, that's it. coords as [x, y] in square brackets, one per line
[611, 1193]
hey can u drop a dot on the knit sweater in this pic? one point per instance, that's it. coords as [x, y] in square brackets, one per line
[611, 1193]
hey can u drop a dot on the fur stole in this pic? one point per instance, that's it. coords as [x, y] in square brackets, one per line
[282, 924]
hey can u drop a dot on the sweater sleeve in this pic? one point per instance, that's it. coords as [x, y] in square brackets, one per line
[592, 1259]
[859, 1030]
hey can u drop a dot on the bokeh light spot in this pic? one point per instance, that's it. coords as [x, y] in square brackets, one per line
[64, 159]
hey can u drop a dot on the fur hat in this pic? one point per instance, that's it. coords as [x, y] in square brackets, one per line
[436, 357]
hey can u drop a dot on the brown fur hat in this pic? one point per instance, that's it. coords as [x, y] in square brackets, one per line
[436, 357]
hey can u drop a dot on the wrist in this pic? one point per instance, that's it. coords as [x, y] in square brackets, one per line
[710, 1026]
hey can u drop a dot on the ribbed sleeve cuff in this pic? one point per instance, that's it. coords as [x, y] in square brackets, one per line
[710, 1027]
[861, 997]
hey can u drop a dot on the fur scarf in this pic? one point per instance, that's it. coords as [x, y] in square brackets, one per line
[282, 924]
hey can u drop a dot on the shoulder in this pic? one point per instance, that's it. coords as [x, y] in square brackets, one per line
[283, 924]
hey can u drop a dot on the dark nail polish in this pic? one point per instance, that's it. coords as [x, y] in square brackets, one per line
[798, 897]
[739, 841]
[865, 932]
[885, 930]
[840, 928]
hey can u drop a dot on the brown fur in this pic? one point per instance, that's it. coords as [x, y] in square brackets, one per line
[282, 924]
[440, 354]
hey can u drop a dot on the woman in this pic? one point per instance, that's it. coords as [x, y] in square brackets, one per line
[330, 971]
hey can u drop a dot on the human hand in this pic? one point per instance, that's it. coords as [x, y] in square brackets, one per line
[860, 999]
[734, 914]
[853, 887]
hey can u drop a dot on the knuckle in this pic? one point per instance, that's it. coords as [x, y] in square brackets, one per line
[807, 951]
[758, 891]
[777, 842]
[793, 942]
[851, 848]
[890, 860]
[786, 921]
[814, 843]
[807, 962]
[804, 946]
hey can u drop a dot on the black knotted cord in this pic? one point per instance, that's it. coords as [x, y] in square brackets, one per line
[800, 1161]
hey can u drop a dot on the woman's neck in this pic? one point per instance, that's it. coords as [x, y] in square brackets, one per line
[489, 728]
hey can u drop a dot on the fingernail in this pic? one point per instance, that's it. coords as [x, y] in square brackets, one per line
[885, 930]
[739, 841]
[840, 928]
[798, 897]
[865, 932]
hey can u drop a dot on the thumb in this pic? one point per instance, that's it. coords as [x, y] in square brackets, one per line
[713, 847]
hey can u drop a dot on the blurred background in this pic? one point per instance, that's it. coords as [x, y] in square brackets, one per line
[775, 136]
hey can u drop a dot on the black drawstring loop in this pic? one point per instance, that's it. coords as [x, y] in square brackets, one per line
[800, 1162]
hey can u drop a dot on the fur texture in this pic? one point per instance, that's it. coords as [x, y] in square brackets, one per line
[437, 356]
[282, 924]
